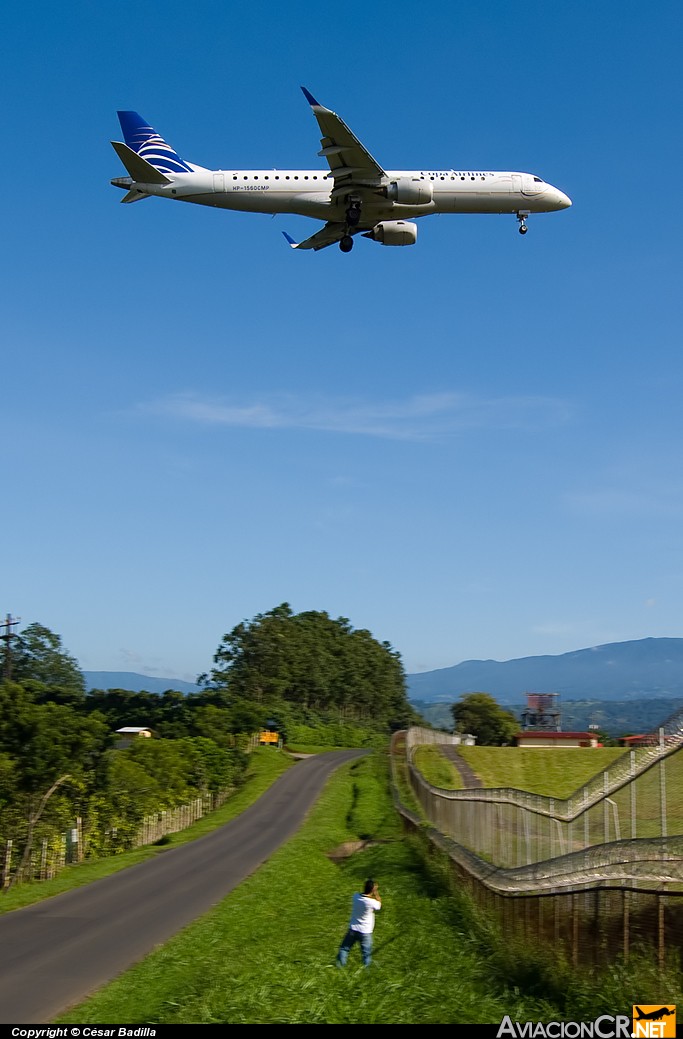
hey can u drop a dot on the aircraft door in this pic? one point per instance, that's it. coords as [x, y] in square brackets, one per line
[516, 184]
[218, 182]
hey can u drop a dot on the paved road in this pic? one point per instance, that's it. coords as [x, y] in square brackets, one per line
[56, 952]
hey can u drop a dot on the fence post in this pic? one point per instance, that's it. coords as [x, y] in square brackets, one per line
[633, 795]
[79, 839]
[605, 808]
[660, 929]
[662, 787]
[7, 865]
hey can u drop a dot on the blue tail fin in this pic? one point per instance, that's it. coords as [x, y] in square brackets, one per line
[143, 139]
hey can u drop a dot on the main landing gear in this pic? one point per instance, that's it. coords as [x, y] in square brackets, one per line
[521, 216]
[352, 220]
[353, 213]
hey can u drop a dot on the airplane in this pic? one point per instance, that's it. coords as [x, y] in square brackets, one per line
[654, 1015]
[356, 196]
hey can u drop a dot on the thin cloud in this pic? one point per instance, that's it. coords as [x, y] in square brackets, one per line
[622, 501]
[423, 416]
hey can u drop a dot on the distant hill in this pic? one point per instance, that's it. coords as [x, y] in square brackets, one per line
[135, 683]
[614, 717]
[623, 671]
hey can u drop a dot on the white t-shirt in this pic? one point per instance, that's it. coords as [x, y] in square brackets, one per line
[363, 913]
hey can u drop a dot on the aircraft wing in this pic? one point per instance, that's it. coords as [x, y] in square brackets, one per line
[332, 232]
[351, 164]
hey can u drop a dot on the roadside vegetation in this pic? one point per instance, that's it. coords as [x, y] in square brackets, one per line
[69, 791]
[265, 765]
[266, 954]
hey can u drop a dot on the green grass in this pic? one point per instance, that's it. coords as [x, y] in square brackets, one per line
[548, 771]
[435, 768]
[306, 748]
[265, 955]
[264, 769]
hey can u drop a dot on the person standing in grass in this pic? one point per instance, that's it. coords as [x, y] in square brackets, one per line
[364, 906]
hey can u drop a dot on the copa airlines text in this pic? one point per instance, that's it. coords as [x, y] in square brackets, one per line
[356, 196]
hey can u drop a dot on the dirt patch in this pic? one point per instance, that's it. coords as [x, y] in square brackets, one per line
[349, 848]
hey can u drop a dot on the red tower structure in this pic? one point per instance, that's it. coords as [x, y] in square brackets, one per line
[542, 712]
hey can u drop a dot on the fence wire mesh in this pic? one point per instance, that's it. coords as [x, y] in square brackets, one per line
[598, 873]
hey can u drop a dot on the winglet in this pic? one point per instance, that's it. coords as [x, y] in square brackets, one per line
[291, 241]
[311, 100]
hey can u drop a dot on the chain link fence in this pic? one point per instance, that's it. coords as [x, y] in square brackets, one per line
[598, 873]
[53, 852]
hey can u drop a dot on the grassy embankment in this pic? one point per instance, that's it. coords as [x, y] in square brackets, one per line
[538, 770]
[265, 955]
[561, 773]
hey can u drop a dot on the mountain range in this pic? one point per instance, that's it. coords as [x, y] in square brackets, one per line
[135, 683]
[623, 671]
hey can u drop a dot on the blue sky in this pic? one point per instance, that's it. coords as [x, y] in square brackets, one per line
[471, 447]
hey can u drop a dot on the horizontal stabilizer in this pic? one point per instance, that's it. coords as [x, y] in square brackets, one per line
[134, 195]
[140, 170]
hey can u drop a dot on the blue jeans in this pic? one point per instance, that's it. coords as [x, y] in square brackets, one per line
[350, 939]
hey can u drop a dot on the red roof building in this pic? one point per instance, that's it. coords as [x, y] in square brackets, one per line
[557, 739]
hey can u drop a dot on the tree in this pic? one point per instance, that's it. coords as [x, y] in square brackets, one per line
[312, 661]
[52, 748]
[482, 716]
[38, 657]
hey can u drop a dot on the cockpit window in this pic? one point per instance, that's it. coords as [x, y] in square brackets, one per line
[537, 180]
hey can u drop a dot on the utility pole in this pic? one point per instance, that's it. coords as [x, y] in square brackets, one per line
[7, 636]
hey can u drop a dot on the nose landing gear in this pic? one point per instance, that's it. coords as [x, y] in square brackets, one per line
[346, 243]
[521, 216]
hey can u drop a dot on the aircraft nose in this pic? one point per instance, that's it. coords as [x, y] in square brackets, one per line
[563, 201]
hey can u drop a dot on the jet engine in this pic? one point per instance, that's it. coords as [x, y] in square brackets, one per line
[393, 232]
[414, 192]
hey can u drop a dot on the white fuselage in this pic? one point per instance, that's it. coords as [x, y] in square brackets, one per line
[309, 193]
